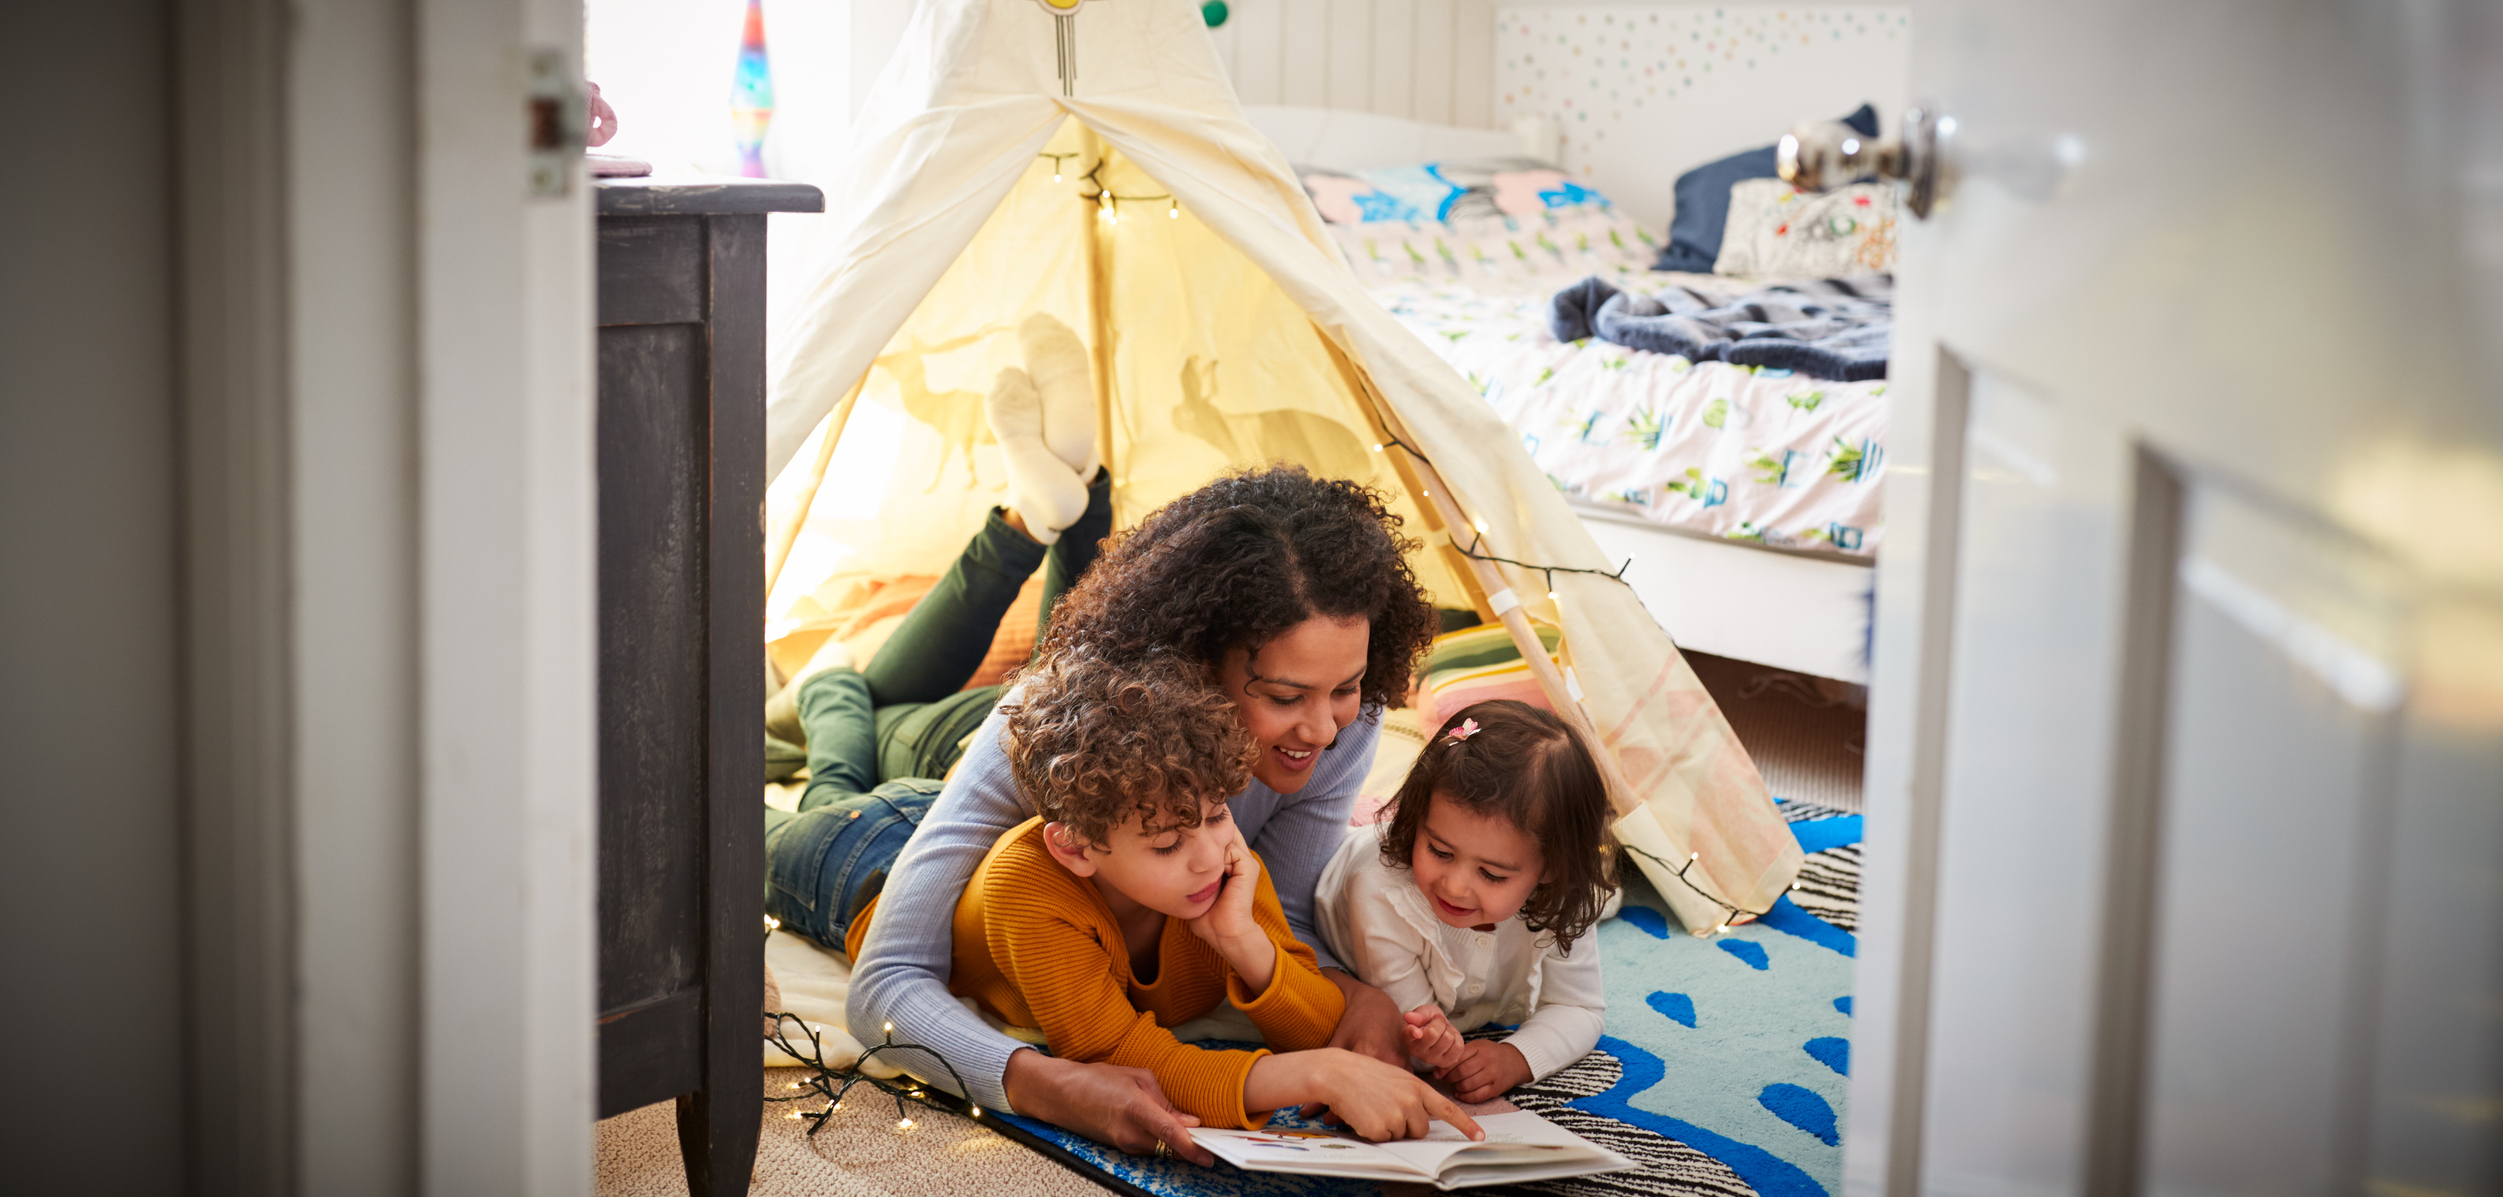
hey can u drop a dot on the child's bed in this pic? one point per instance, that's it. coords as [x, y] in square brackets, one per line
[1747, 496]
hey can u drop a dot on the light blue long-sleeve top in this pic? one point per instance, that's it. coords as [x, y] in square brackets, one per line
[901, 976]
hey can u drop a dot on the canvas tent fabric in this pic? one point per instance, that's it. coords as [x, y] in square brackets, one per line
[1226, 330]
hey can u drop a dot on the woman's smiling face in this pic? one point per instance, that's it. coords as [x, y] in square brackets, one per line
[1296, 693]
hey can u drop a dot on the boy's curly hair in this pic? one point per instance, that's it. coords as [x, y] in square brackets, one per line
[1529, 767]
[1094, 744]
[1243, 559]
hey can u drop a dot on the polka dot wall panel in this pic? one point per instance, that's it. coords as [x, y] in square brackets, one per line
[1643, 93]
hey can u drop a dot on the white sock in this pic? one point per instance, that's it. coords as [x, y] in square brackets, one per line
[1041, 487]
[1057, 360]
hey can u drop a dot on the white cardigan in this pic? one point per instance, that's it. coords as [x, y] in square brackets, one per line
[1375, 919]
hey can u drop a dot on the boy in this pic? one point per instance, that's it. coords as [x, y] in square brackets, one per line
[1131, 905]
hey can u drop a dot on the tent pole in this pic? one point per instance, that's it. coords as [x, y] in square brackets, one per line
[1402, 466]
[1099, 326]
[779, 552]
[1621, 796]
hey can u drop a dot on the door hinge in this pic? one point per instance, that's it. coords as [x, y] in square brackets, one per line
[559, 123]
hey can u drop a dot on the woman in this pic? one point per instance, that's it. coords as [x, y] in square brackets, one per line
[1297, 591]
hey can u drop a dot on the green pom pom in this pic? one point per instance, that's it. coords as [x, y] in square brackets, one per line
[1214, 12]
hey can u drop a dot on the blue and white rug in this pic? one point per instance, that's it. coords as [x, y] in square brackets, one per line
[1723, 1071]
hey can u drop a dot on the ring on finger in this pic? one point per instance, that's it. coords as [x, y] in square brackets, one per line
[1163, 1151]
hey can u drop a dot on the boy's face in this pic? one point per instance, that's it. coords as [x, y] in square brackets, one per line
[1175, 872]
[1475, 869]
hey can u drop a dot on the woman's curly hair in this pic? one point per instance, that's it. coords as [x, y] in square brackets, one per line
[1528, 767]
[1094, 744]
[1243, 559]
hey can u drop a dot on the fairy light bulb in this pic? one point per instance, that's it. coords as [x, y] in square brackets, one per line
[903, 1124]
[1175, 211]
[889, 1028]
[1055, 174]
[1480, 524]
[977, 1110]
[1377, 448]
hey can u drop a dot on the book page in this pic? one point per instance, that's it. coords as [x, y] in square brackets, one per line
[1319, 1152]
[1516, 1138]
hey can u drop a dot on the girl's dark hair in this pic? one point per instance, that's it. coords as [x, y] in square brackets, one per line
[1243, 559]
[1529, 767]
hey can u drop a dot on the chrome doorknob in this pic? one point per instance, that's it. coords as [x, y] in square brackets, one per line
[1826, 154]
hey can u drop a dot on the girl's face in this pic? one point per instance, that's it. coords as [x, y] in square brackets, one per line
[1476, 870]
[1296, 693]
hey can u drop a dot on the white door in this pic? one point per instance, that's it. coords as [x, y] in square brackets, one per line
[2186, 771]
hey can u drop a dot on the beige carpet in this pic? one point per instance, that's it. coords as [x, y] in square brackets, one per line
[1807, 735]
[859, 1154]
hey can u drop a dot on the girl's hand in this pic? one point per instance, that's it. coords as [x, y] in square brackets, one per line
[1384, 1101]
[1486, 1069]
[1432, 1039]
[1229, 918]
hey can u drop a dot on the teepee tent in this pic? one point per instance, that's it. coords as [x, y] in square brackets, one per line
[1088, 159]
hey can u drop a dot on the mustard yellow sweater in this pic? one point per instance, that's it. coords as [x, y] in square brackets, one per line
[1037, 947]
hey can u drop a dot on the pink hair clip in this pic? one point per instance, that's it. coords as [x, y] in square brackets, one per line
[1467, 728]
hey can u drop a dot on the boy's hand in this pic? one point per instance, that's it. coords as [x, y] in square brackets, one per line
[1229, 918]
[1432, 1039]
[1228, 925]
[1384, 1101]
[1486, 1068]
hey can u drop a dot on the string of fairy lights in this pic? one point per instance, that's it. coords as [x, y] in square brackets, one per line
[1107, 202]
[832, 1084]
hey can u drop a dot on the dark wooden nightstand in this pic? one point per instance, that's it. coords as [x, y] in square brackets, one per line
[682, 657]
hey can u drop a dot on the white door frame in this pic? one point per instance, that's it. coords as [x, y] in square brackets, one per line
[390, 482]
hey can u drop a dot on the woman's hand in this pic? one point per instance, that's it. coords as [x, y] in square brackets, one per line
[1124, 1107]
[1432, 1039]
[1228, 925]
[1486, 1068]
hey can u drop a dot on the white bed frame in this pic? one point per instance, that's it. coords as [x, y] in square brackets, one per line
[1792, 610]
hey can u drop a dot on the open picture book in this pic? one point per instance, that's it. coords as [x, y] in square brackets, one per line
[1519, 1146]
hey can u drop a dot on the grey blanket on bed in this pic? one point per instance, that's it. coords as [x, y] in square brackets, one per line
[1836, 328]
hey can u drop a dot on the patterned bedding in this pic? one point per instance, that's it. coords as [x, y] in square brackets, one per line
[1744, 453]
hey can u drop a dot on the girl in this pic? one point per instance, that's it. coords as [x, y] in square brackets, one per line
[1468, 905]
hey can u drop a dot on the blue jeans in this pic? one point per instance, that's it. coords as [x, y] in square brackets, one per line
[901, 720]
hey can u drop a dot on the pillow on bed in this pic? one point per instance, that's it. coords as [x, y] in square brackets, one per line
[1775, 231]
[1450, 190]
[1703, 200]
[1570, 242]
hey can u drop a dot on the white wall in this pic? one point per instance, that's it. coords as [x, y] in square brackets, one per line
[1428, 60]
[1645, 92]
